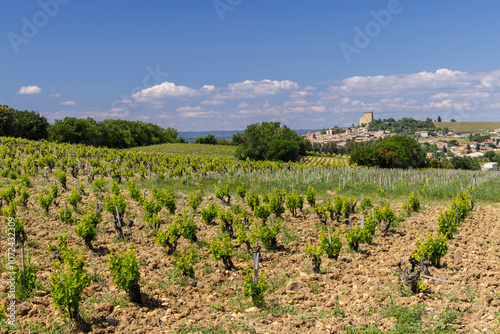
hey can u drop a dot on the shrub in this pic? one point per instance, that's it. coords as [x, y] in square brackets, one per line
[266, 234]
[276, 205]
[226, 224]
[184, 264]
[68, 280]
[195, 199]
[209, 213]
[354, 237]
[62, 178]
[135, 193]
[167, 198]
[253, 201]
[223, 191]
[151, 207]
[9, 194]
[87, 228]
[222, 249]
[45, 200]
[315, 254]
[115, 189]
[330, 247]
[69, 216]
[241, 191]
[255, 290]
[294, 202]
[169, 238]
[188, 226]
[435, 247]
[369, 229]
[311, 196]
[322, 213]
[24, 196]
[25, 282]
[125, 271]
[74, 198]
[413, 203]
[263, 212]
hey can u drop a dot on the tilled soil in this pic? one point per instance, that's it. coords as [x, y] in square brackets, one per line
[298, 301]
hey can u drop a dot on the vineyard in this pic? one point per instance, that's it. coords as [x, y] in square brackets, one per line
[184, 238]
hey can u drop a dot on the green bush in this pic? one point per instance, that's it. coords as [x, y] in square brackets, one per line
[331, 248]
[354, 236]
[184, 264]
[195, 199]
[169, 238]
[222, 249]
[294, 202]
[222, 192]
[315, 254]
[253, 200]
[135, 193]
[263, 212]
[311, 196]
[435, 248]
[74, 198]
[209, 213]
[256, 291]
[241, 191]
[266, 234]
[226, 224]
[45, 200]
[25, 283]
[68, 280]
[188, 226]
[276, 205]
[125, 271]
[86, 229]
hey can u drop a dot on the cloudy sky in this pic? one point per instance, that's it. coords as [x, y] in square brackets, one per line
[224, 64]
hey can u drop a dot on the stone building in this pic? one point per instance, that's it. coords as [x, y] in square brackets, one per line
[367, 118]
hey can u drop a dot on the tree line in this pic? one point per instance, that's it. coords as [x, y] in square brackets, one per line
[108, 133]
[404, 125]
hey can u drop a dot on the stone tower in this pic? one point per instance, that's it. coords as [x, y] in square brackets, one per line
[367, 118]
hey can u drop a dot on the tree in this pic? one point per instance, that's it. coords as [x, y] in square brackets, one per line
[452, 120]
[271, 141]
[490, 155]
[209, 139]
[391, 152]
[439, 119]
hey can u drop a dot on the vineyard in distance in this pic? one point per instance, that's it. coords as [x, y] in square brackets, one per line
[184, 238]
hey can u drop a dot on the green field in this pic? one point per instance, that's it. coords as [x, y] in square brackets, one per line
[190, 149]
[468, 126]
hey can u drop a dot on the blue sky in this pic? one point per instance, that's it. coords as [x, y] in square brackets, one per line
[224, 64]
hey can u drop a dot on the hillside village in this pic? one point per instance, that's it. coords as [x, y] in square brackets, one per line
[436, 143]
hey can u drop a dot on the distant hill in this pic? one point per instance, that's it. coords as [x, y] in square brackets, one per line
[468, 126]
[191, 136]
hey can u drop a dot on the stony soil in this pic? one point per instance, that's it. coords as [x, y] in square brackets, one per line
[299, 301]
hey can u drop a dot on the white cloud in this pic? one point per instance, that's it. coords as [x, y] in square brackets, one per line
[418, 83]
[212, 103]
[28, 90]
[68, 103]
[195, 114]
[162, 91]
[189, 108]
[252, 89]
[242, 105]
[55, 95]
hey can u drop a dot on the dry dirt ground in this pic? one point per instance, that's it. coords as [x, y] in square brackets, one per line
[298, 300]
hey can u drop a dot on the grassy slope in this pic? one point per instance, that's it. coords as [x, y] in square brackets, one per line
[468, 126]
